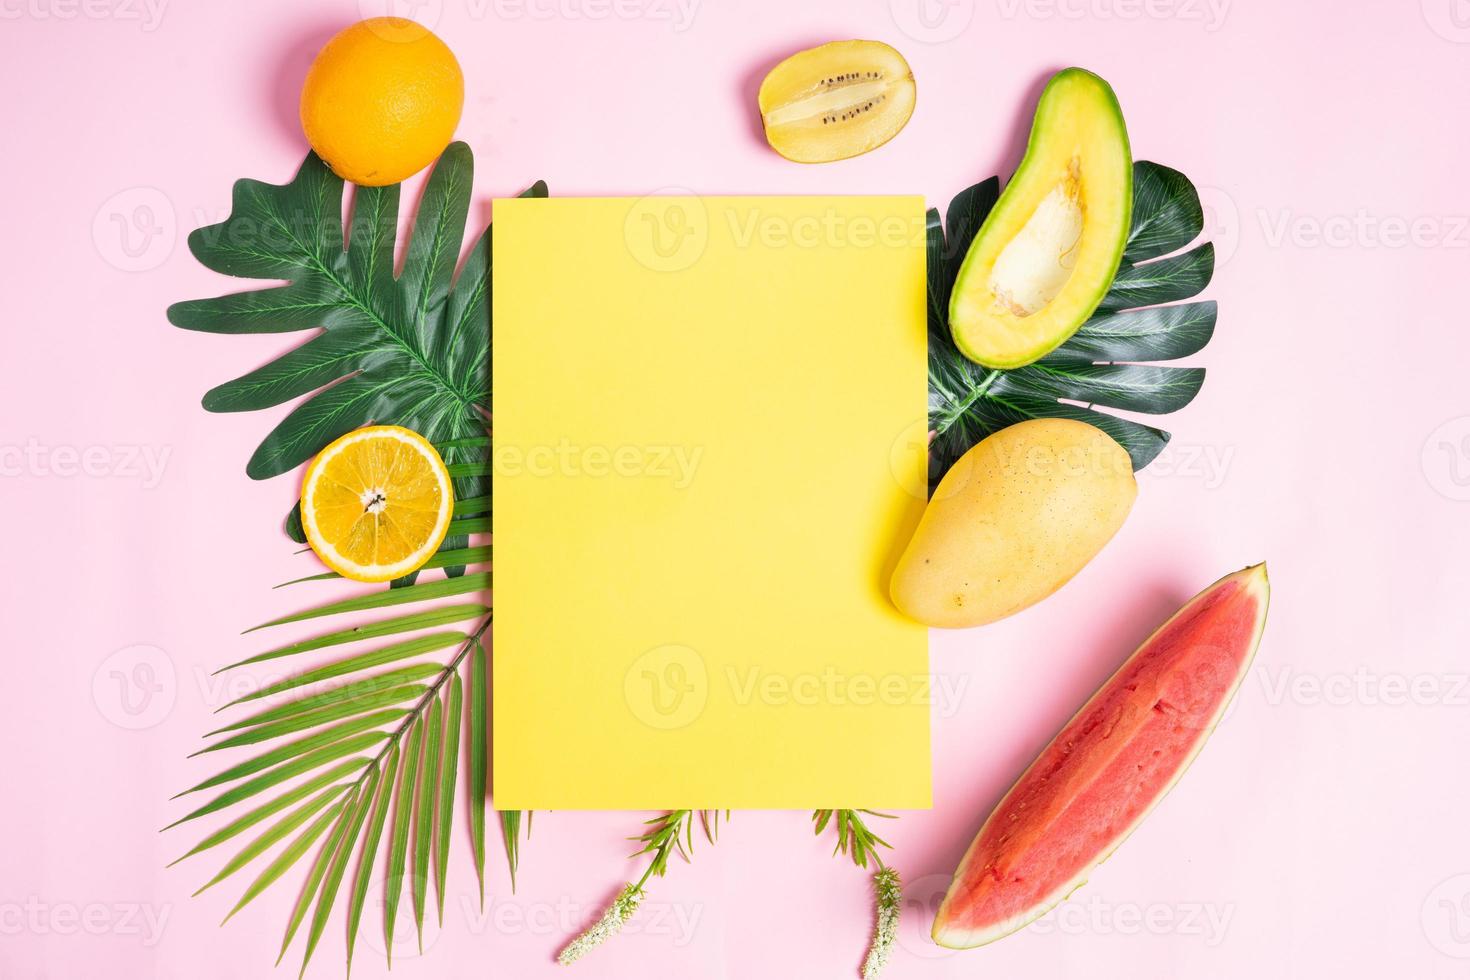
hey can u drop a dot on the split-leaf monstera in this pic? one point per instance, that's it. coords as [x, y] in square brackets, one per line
[413, 350]
[1097, 366]
[410, 350]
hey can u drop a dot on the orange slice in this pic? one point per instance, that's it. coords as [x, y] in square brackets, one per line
[376, 503]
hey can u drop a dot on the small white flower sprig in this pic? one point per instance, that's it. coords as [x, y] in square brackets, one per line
[618, 913]
[855, 839]
[888, 901]
[674, 831]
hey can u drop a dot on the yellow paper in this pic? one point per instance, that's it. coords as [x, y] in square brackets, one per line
[709, 451]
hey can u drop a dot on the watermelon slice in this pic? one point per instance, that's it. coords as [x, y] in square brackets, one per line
[1108, 767]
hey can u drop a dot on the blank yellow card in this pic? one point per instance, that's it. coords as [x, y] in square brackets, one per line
[709, 419]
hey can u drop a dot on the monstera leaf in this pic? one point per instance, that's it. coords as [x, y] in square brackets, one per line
[1098, 367]
[410, 350]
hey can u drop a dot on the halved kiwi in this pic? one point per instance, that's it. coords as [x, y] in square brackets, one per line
[835, 101]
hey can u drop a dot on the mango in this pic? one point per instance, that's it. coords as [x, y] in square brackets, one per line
[1012, 521]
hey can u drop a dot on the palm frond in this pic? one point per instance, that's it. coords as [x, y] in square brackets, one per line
[510, 829]
[364, 746]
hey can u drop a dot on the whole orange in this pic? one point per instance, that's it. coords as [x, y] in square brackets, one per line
[382, 100]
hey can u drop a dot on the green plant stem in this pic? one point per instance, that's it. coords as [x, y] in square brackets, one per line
[974, 394]
[424, 699]
[663, 840]
[854, 837]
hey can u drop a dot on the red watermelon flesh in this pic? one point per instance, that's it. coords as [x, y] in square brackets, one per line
[1108, 767]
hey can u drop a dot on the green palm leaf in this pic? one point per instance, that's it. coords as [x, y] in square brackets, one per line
[390, 687]
[968, 402]
[314, 750]
[274, 833]
[510, 830]
[376, 657]
[340, 855]
[442, 589]
[398, 840]
[280, 774]
[423, 817]
[374, 744]
[438, 616]
[310, 719]
[479, 762]
[287, 858]
[370, 850]
[319, 870]
[250, 819]
[448, 775]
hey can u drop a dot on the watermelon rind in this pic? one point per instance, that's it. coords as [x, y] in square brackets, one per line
[950, 934]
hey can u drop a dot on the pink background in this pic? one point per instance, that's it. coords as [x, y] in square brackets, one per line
[1321, 833]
